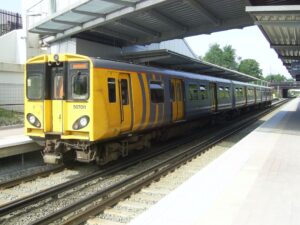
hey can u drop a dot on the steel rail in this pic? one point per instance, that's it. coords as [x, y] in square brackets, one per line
[30, 177]
[143, 178]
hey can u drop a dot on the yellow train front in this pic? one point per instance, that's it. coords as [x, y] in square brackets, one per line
[72, 105]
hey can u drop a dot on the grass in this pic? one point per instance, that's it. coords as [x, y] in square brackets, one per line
[9, 117]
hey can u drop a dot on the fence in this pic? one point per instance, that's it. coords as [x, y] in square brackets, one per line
[12, 97]
[9, 21]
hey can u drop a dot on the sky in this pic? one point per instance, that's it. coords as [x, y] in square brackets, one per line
[248, 42]
[11, 5]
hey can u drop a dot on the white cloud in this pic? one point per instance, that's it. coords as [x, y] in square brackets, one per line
[248, 42]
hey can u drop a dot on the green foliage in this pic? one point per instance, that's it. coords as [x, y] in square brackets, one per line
[8, 117]
[225, 57]
[250, 67]
[275, 78]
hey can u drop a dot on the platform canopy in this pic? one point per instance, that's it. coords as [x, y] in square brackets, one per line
[127, 22]
[280, 24]
[172, 60]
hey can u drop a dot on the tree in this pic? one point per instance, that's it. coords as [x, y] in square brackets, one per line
[225, 57]
[250, 67]
[275, 78]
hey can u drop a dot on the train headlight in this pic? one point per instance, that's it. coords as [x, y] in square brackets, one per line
[33, 120]
[81, 122]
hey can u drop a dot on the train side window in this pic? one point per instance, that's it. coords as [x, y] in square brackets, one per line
[124, 92]
[157, 92]
[111, 82]
[193, 92]
[203, 92]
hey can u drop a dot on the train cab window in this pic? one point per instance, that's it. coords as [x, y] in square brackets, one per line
[193, 92]
[124, 92]
[79, 85]
[34, 85]
[157, 91]
[111, 82]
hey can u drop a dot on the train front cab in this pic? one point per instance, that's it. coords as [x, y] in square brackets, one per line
[57, 102]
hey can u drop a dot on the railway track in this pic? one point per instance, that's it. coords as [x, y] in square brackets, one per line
[14, 182]
[101, 199]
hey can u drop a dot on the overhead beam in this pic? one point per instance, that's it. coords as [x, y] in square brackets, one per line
[205, 12]
[120, 2]
[66, 22]
[115, 34]
[281, 23]
[49, 30]
[167, 20]
[286, 47]
[138, 27]
[290, 57]
[88, 13]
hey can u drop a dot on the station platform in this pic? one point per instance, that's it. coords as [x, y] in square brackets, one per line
[257, 181]
[14, 142]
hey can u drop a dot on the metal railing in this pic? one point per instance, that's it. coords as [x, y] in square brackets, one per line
[9, 21]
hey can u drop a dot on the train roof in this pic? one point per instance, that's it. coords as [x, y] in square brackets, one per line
[109, 64]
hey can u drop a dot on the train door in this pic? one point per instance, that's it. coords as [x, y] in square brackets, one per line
[255, 95]
[246, 95]
[57, 92]
[177, 99]
[125, 102]
[213, 96]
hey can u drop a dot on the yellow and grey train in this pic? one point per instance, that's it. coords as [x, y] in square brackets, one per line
[89, 109]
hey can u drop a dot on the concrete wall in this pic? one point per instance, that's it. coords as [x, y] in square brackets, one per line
[97, 50]
[11, 86]
[64, 46]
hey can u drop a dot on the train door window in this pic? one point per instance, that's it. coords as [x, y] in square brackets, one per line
[79, 85]
[111, 82]
[157, 91]
[179, 91]
[124, 92]
[193, 92]
[172, 91]
[58, 91]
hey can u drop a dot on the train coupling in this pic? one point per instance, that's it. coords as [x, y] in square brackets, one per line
[52, 153]
[52, 158]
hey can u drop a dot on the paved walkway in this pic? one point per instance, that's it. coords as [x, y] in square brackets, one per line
[256, 182]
